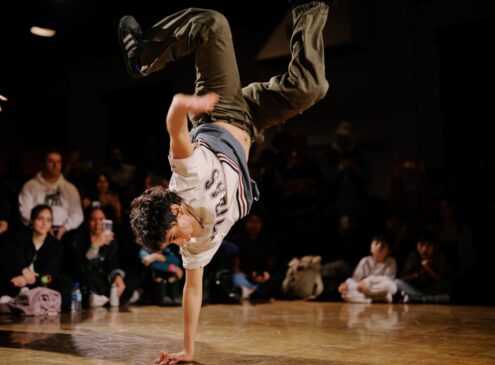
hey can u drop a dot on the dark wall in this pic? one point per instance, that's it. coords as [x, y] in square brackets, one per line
[389, 81]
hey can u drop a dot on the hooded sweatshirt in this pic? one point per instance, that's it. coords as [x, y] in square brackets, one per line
[62, 196]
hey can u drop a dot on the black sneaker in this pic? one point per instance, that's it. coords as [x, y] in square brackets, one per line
[294, 3]
[129, 35]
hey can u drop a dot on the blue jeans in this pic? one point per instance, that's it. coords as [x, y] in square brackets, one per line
[241, 281]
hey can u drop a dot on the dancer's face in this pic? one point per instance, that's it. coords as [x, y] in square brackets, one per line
[181, 231]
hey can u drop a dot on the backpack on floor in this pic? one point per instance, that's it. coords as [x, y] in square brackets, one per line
[37, 301]
[303, 278]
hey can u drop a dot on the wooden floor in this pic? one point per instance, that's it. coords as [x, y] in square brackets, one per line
[274, 333]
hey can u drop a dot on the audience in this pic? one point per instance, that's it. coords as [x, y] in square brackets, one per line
[455, 240]
[166, 275]
[102, 193]
[424, 278]
[373, 278]
[77, 169]
[93, 259]
[319, 206]
[255, 268]
[346, 174]
[122, 173]
[50, 187]
[32, 257]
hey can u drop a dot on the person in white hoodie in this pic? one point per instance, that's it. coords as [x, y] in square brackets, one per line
[50, 187]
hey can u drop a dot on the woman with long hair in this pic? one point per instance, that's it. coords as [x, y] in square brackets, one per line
[33, 257]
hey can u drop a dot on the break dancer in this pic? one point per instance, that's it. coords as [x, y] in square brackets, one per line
[210, 188]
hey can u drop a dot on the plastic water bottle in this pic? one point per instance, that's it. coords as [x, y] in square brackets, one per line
[76, 299]
[114, 296]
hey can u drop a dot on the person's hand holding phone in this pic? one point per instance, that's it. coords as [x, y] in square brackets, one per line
[108, 231]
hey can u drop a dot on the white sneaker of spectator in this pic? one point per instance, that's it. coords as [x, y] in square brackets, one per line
[356, 298]
[96, 300]
[134, 297]
[6, 299]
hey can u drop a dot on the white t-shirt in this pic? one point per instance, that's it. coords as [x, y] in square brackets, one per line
[368, 266]
[62, 196]
[212, 185]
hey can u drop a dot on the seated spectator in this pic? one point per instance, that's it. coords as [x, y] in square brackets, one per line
[411, 200]
[424, 276]
[373, 278]
[347, 173]
[166, 274]
[50, 187]
[32, 257]
[255, 266]
[102, 193]
[93, 258]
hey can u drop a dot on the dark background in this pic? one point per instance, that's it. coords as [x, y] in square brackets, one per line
[415, 79]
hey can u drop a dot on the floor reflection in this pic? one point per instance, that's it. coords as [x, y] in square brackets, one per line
[372, 317]
[279, 333]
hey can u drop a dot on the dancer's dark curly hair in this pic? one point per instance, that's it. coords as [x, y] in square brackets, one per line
[151, 216]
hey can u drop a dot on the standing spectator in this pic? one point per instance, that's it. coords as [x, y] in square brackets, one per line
[32, 257]
[300, 194]
[424, 277]
[50, 187]
[373, 278]
[347, 173]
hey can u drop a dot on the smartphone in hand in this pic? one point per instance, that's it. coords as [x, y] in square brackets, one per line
[108, 225]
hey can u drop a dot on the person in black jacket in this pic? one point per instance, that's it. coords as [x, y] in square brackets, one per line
[32, 257]
[93, 259]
